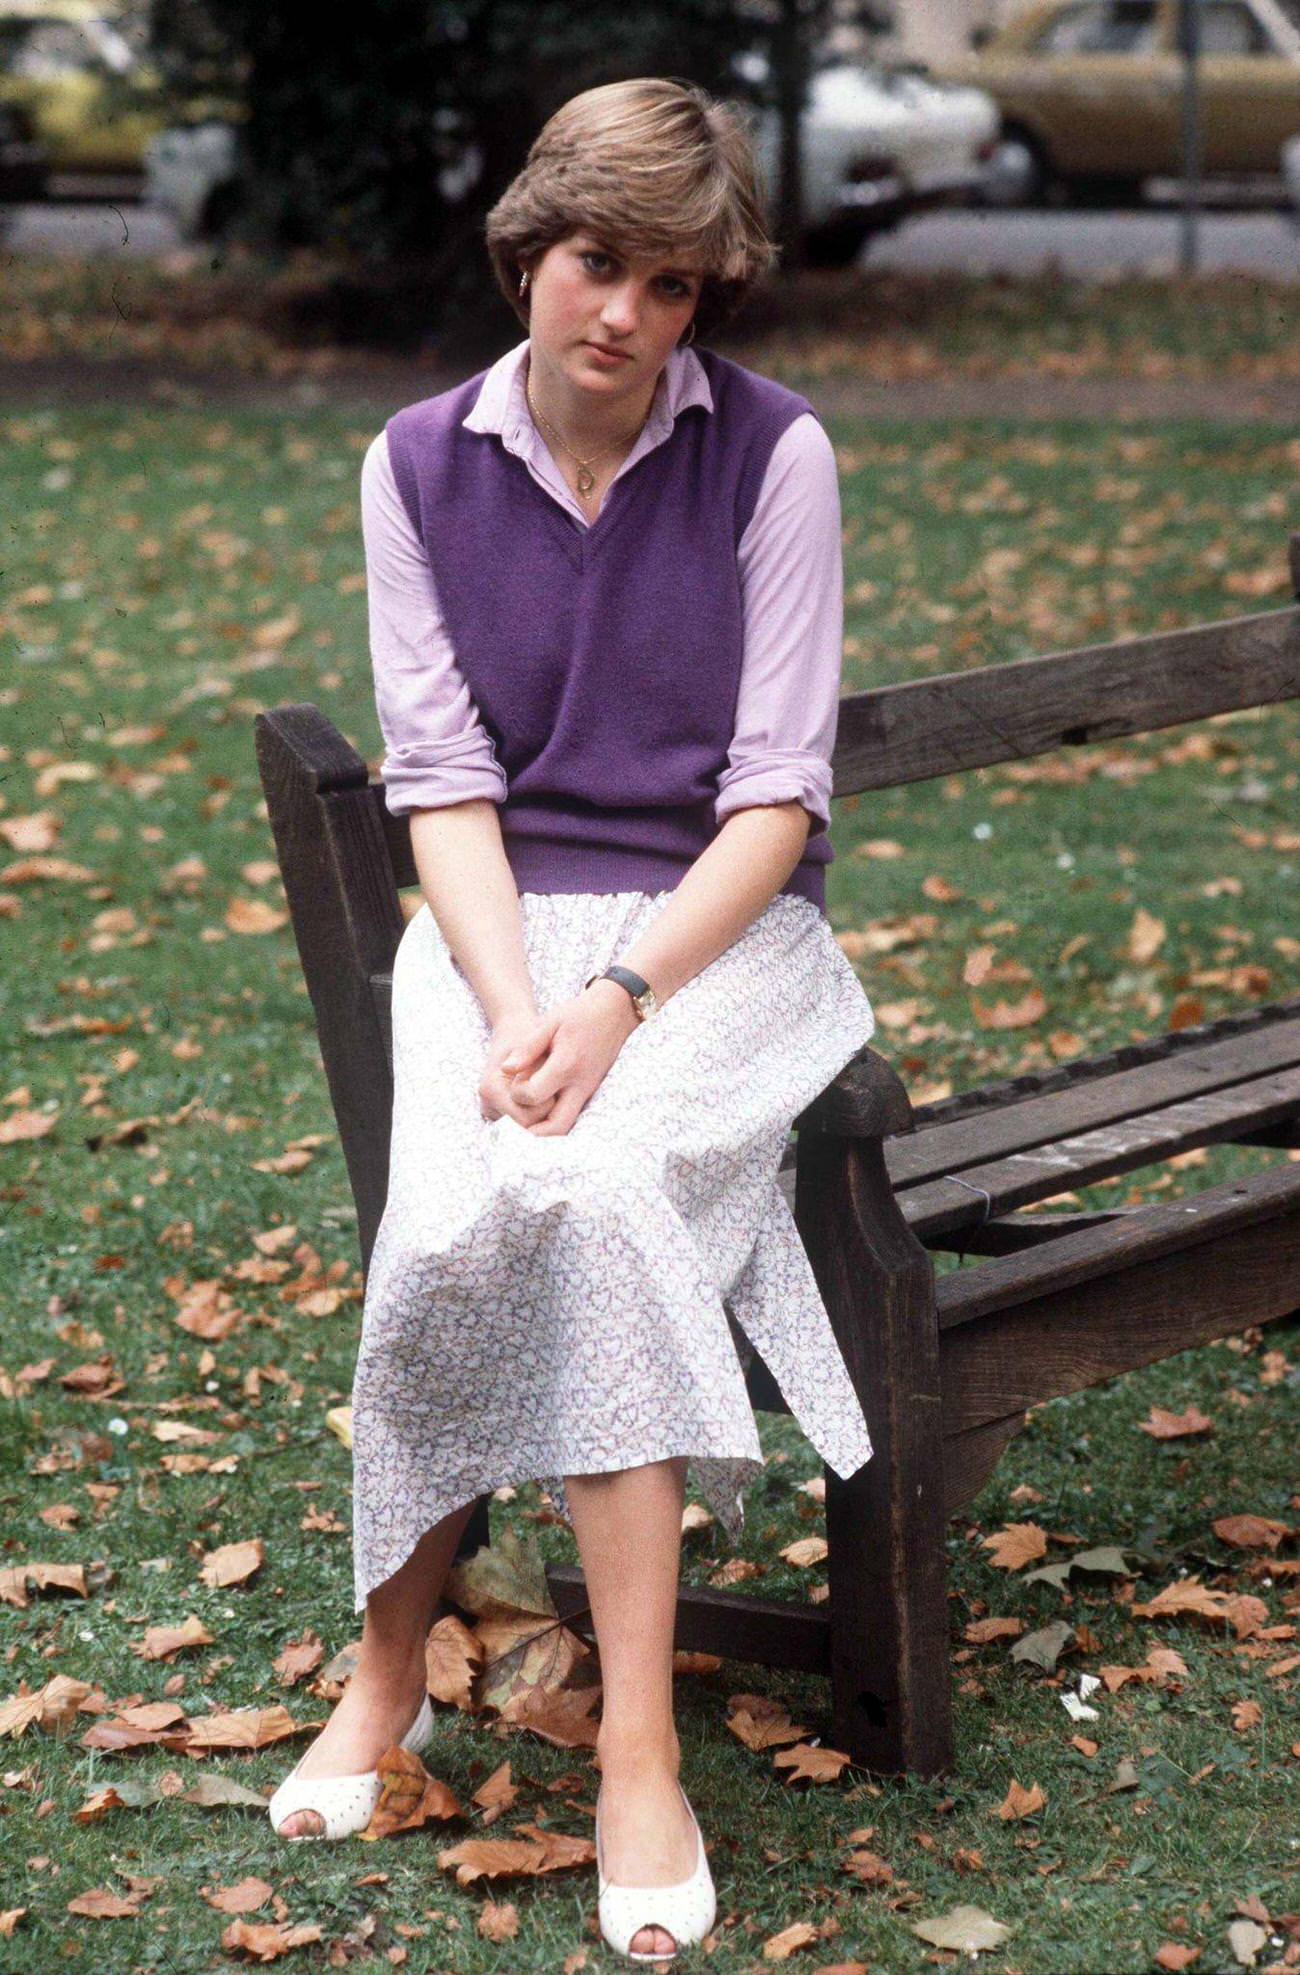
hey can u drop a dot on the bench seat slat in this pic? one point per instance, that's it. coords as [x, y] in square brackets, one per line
[942, 1206]
[1092, 1103]
[1019, 1333]
[1109, 1249]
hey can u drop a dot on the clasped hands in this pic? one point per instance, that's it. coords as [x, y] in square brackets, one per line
[542, 1069]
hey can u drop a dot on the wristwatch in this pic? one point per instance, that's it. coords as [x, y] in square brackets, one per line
[643, 995]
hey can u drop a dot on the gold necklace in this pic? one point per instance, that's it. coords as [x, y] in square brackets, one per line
[586, 478]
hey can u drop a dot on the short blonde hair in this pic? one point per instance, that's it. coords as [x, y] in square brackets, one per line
[653, 166]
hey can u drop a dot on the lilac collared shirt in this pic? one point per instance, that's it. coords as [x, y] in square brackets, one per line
[792, 591]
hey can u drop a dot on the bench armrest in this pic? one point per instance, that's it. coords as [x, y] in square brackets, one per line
[866, 1100]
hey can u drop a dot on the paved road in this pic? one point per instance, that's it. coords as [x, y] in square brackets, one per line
[1087, 244]
[1095, 244]
[88, 228]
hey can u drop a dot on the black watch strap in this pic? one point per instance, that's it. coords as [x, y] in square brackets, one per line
[625, 978]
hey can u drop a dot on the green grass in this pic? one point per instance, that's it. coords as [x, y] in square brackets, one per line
[240, 312]
[166, 576]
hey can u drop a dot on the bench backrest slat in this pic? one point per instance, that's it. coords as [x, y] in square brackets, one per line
[925, 727]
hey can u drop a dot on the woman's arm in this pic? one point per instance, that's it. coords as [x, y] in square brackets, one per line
[722, 893]
[440, 769]
[440, 766]
[777, 783]
[466, 878]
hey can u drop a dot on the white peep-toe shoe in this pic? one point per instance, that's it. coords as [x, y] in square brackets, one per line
[343, 1803]
[685, 1910]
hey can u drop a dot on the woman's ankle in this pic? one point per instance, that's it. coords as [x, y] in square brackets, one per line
[637, 1749]
[390, 1664]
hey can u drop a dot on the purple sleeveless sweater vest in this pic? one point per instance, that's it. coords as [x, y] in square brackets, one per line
[604, 660]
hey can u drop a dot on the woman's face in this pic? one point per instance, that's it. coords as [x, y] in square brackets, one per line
[585, 292]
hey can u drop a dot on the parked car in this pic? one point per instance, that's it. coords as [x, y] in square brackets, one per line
[1090, 92]
[82, 95]
[878, 144]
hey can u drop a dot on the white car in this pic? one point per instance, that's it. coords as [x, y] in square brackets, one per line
[191, 172]
[878, 144]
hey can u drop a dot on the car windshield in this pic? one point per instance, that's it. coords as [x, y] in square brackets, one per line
[1101, 27]
[46, 50]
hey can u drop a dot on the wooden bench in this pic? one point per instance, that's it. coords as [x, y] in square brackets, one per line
[946, 1367]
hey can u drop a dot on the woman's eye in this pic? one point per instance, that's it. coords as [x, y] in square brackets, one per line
[592, 255]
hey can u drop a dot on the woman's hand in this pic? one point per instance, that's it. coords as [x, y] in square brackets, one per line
[495, 1090]
[563, 1056]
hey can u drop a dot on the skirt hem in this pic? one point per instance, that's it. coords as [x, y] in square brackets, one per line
[750, 1467]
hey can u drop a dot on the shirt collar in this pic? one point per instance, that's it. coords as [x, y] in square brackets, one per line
[502, 405]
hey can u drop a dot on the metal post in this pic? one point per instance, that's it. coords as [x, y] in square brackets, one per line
[1189, 44]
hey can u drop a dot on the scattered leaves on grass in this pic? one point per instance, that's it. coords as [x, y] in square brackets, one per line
[1189, 1598]
[1161, 1666]
[531, 1853]
[967, 1929]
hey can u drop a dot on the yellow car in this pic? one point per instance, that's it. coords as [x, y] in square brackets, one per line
[77, 86]
[1090, 91]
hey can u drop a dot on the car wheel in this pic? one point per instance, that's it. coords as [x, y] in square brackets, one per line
[220, 212]
[835, 243]
[1020, 173]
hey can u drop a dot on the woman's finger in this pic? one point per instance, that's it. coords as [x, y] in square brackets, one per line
[568, 1105]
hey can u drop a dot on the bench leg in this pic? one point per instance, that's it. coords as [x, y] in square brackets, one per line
[890, 1676]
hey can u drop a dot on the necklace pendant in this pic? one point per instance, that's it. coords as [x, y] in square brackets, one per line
[586, 479]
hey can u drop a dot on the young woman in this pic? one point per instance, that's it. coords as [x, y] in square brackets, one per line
[605, 595]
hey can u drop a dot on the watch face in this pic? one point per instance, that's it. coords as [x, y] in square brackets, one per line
[646, 1002]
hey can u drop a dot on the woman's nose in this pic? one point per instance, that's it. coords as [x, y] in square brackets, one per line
[620, 309]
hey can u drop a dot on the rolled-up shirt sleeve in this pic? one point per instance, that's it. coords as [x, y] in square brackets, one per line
[791, 568]
[437, 750]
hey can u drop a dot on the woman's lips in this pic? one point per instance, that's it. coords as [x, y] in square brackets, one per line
[609, 356]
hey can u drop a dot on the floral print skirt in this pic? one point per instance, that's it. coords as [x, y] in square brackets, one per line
[543, 1306]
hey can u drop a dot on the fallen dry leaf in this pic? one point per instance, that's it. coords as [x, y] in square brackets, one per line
[1015, 1545]
[409, 1796]
[498, 1921]
[533, 1852]
[812, 1764]
[232, 1563]
[799, 1934]
[1251, 1532]
[968, 1929]
[1020, 1802]
[267, 1940]
[243, 1897]
[163, 1642]
[1164, 1425]
[14, 1579]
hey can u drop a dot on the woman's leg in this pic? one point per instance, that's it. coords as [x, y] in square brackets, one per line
[628, 1526]
[379, 1702]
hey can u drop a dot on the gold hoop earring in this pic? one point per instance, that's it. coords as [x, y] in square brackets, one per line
[688, 339]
